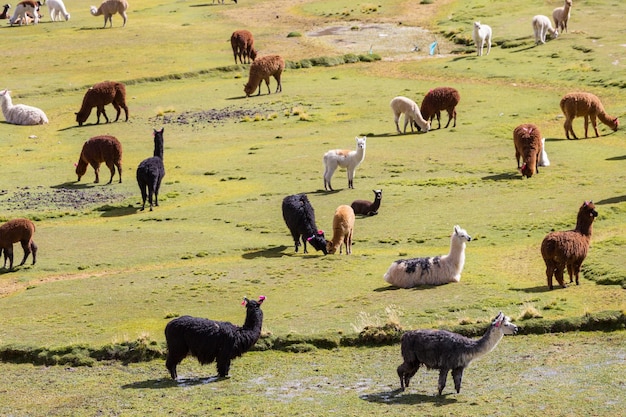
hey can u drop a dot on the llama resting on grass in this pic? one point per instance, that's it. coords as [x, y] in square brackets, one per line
[588, 106]
[569, 248]
[150, 173]
[438, 270]
[403, 105]
[97, 150]
[368, 208]
[482, 35]
[344, 158]
[25, 12]
[212, 341]
[20, 114]
[108, 8]
[5, 11]
[299, 217]
[447, 351]
[98, 96]
[17, 230]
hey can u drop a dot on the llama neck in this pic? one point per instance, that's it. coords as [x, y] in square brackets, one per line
[158, 148]
[7, 103]
[606, 119]
[254, 321]
[584, 225]
[486, 343]
[457, 252]
[376, 204]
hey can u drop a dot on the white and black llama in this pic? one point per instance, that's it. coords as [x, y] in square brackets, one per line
[151, 171]
[447, 351]
[212, 341]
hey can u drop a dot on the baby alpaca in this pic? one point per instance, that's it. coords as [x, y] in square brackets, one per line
[57, 10]
[542, 26]
[343, 226]
[403, 105]
[343, 158]
[482, 36]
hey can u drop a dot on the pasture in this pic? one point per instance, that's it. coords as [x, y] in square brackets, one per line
[108, 273]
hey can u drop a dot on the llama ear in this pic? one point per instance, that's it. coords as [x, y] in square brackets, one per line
[245, 301]
[498, 320]
[320, 232]
[75, 164]
[261, 299]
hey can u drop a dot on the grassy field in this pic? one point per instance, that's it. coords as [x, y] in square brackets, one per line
[108, 273]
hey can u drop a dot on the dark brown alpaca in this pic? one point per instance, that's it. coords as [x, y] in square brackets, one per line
[98, 96]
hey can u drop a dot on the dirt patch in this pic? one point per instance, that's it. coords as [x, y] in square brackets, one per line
[43, 198]
[214, 116]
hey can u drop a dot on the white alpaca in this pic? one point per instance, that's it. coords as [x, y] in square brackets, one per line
[482, 35]
[402, 105]
[57, 10]
[407, 273]
[20, 114]
[543, 26]
[561, 15]
[343, 158]
[26, 11]
[543, 158]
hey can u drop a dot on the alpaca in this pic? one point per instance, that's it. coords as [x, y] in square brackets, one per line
[543, 158]
[344, 158]
[98, 96]
[587, 105]
[403, 105]
[529, 146]
[437, 99]
[100, 149]
[20, 114]
[569, 248]
[561, 15]
[17, 230]
[368, 208]
[261, 70]
[5, 11]
[151, 171]
[438, 270]
[542, 26]
[24, 11]
[242, 43]
[447, 351]
[299, 216]
[343, 227]
[57, 10]
[482, 35]
[212, 341]
[108, 8]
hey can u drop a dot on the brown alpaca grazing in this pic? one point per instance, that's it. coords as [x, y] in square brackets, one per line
[528, 145]
[261, 70]
[97, 150]
[242, 43]
[588, 106]
[437, 99]
[569, 248]
[98, 96]
[17, 230]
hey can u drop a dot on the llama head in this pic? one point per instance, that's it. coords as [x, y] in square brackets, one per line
[503, 323]
[589, 209]
[477, 25]
[378, 194]
[615, 124]
[360, 142]
[461, 233]
[318, 241]
[246, 302]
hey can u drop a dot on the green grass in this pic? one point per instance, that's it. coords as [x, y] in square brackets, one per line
[109, 275]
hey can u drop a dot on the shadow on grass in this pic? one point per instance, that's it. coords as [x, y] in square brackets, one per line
[541, 288]
[612, 200]
[117, 211]
[170, 383]
[276, 252]
[395, 397]
[616, 158]
[74, 185]
[507, 176]
[394, 288]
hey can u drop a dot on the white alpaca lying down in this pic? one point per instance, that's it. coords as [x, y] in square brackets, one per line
[20, 114]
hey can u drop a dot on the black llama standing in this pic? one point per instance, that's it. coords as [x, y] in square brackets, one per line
[151, 171]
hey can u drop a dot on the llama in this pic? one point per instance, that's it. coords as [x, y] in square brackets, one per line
[344, 158]
[528, 146]
[482, 36]
[100, 149]
[98, 96]
[589, 106]
[569, 248]
[5, 11]
[403, 105]
[57, 10]
[343, 227]
[542, 26]
[17, 230]
[368, 208]
[212, 341]
[299, 216]
[561, 15]
[438, 270]
[543, 158]
[151, 171]
[24, 11]
[108, 8]
[20, 114]
[447, 351]
[242, 43]
[437, 99]
[261, 70]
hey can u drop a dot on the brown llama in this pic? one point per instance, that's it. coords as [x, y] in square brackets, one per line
[588, 106]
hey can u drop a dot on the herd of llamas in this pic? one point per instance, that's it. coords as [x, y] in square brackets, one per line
[214, 341]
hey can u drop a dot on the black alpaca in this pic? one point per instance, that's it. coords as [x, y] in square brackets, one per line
[151, 171]
[210, 340]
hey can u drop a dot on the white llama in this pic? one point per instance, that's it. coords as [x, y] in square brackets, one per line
[343, 158]
[482, 35]
[57, 10]
[20, 114]
[541, 27]
[438, 270]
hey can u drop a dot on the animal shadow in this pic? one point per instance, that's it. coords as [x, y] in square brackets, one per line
[394, 288]
[276, 252]
[612, 200]
[170, 383]
[396, 397]
[116, 211]
[507, 176]
[531, 290]
[74, 185]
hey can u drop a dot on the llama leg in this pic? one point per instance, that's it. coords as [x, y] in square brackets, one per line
[279, 87]
[96, 168]
[594, 123]
[457, 374]
[396, 119]
[8, 253]
[577, 271]
[489, 44]
[351, 177]
[117, 109]
[558, 274]
[328, 174]
[156, 192]
[26, 248]
[119, 170]
[223, 364]
[304, 238]
[586, 125]
[443, 375]
[296, 239]
[570, 272]
[406, 121]
[111, 167]
[173, 360]
[33, 250]
[143, 188]
[123, 17]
